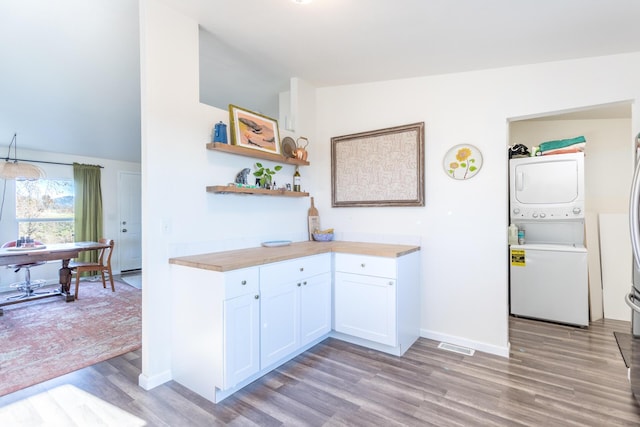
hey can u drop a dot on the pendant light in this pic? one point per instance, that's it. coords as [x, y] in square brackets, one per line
[12, 169]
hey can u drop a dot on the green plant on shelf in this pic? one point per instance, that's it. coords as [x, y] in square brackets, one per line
[265, 175]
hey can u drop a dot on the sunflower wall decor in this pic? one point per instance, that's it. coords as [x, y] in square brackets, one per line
[462, 161]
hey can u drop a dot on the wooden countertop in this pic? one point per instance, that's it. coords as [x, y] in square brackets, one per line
[250, 257]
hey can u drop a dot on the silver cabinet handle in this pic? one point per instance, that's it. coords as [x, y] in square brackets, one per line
[363, 265]
[304, 283]
[390, 283]
[299, 284]
[257, 297]
[301, 268]
[244, 282]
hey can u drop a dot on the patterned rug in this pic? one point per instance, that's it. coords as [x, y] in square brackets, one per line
[44, 339]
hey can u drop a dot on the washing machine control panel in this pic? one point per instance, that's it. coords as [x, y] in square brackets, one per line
[547, 214]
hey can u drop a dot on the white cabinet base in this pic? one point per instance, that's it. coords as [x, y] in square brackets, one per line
[398, 350]
[220, 395]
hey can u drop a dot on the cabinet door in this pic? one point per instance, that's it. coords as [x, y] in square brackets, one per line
[365, 307]
[241, 338]
[280, 321]
[315, 307]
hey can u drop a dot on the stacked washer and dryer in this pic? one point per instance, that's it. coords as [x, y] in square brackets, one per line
[548, 270]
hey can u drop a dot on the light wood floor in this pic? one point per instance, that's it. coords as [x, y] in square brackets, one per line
[556, 376]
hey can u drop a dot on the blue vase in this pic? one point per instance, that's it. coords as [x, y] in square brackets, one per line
[220, 133]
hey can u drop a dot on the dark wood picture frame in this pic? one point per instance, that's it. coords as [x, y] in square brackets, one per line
[383, 167]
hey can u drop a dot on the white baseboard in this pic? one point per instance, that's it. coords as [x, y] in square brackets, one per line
[478, 346]
[149, 382]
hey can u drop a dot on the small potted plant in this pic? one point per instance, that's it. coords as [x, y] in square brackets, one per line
[265, 175]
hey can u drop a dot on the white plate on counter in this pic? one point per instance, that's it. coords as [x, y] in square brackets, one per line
[276, 243]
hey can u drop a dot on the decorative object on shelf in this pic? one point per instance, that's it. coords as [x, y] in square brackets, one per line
[11, 169]
[265, 175]
[253, 130]
[313, 219]
[379, 168]
[241, 178]
[463, 161]
[296, 180]
[323, 235]
[300, 152]
[288, 147]
[220, 133]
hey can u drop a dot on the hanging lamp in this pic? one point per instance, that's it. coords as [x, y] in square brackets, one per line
[12, 169]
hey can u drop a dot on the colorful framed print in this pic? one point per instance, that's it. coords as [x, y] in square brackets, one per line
[253, 130]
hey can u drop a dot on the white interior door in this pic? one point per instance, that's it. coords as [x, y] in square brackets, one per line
[130, 202]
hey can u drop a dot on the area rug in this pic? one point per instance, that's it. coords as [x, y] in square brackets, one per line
[44, 339]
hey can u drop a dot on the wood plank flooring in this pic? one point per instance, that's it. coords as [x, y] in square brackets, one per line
[556, 376]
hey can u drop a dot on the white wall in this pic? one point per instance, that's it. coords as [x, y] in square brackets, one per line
[109, 184]
[462, 228]
[463, 225]
[179, 216]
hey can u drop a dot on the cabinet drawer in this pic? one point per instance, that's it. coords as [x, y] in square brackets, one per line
[295, 269]
[241, 282]
[366, 264]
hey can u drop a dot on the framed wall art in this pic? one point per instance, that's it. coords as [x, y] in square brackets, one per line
[462, 161]
[378, 168]
[253, 130]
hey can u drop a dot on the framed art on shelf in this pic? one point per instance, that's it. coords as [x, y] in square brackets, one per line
[253, 130]
[378, 168]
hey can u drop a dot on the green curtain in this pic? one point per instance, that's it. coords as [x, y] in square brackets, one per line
[88, 207]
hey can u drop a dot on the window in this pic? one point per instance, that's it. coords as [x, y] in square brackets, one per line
[44, 210]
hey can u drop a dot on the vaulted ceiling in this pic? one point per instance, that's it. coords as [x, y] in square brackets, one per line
[69, 69]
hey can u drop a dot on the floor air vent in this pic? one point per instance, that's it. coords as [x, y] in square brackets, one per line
[456, 349]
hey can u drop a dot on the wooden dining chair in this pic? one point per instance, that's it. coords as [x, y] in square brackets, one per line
[103, 266]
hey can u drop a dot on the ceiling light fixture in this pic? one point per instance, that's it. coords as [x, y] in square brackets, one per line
[11, 169]
[301, 1]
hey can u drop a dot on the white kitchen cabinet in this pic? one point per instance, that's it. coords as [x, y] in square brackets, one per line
[285, 287]
[279, 321]
[366, 307]
[241, 339]
[215, 334]
[235, 318]
[315, 308]
[377, 301]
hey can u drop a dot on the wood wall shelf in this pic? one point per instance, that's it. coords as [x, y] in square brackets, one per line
[225, 189]
[248, 152]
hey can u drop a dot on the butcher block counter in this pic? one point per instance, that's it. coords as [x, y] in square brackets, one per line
[250, 257]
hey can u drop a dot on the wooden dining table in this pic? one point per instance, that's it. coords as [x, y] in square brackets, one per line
[60, 251]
